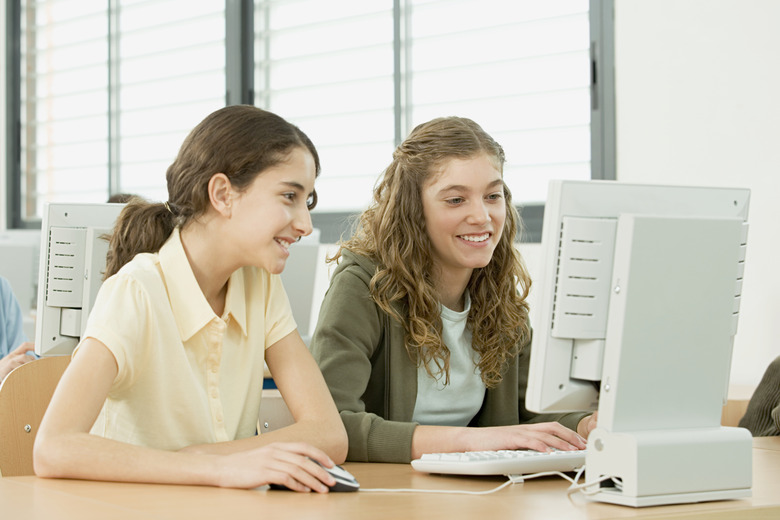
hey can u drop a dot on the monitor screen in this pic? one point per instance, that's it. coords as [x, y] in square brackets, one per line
[299, 278]
[635, 317]
[71, 268]
[590, 226]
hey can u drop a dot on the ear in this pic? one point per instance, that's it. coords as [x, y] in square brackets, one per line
[221, 194]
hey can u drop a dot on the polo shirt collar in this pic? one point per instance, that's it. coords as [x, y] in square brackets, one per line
[235, 300]
[190, 309]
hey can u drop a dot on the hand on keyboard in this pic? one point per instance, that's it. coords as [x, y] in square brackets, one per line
[536, 436]
[501, 462]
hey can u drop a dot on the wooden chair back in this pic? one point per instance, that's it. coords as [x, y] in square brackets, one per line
[24, 396]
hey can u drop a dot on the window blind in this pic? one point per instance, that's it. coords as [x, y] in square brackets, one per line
[109, 88]
[109, 91]
[328, 67]
[520, 69]
[64, 102]
[171, 74]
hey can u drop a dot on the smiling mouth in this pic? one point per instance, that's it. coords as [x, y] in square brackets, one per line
[475, 238]
[285, 244]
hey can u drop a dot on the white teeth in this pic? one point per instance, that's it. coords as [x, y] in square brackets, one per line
[477, 238]
[283, 243]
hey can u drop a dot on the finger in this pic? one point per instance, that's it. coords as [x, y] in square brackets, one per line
[308, 451]
[16, 361]
[297, 459]
[565, 434]
[25, 347]
[287, 480]
[546, 436]
[24, 358]
[309, 476]
[544, 442]
[321, 480]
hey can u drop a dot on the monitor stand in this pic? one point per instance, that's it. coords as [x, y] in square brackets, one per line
[670, 467]
[667, 359]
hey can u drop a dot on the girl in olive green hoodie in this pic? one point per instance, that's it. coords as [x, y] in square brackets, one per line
[423, 334]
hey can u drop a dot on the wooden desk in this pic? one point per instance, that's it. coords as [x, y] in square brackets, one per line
[35, 498]
[739, 398]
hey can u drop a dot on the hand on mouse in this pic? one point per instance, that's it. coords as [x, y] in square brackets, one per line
[297, 466]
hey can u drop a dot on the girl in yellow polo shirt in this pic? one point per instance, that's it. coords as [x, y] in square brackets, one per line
[165, 386]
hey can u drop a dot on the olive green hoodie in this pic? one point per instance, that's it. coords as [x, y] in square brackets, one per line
[373, 380]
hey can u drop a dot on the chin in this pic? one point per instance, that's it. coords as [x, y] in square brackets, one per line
[478, 263]
[276, 269]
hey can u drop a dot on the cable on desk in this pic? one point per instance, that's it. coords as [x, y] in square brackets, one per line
[513, 479]
[583, 488]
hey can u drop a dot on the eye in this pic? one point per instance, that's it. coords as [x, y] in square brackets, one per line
[311, 200]
[494, 197]
[454, 201]
[290, 195]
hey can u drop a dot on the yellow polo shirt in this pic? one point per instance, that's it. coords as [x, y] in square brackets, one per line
[186, 376]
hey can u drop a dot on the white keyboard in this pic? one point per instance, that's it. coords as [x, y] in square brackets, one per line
[502, 462]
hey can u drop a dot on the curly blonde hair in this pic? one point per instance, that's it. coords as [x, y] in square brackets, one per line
[392, 233]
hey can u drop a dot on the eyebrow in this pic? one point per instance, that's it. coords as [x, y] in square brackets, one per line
[460, 187]
[295, 185]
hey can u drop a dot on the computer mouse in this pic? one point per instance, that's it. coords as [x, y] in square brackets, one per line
[344, 480]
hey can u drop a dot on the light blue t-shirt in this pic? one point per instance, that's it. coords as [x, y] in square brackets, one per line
[458, 402]
[11, 321]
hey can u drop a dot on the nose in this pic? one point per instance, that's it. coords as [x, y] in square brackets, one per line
[479, 213]
[302, 222]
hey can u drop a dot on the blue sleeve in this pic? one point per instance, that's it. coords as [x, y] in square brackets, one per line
[11, 322]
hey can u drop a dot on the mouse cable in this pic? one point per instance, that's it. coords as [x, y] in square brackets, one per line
[512, 479]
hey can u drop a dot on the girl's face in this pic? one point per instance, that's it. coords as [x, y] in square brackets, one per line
[464, 210]
[273, 212]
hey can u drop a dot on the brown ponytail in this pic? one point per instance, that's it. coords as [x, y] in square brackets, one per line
[142, 227]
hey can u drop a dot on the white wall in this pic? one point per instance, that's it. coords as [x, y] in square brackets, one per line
[698, 102]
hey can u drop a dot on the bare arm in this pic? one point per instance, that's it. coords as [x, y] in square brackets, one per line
[303, 388]
[64, 447]
[300, 382]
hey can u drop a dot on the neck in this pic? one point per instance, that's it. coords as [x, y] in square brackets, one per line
[451, 287]
[208, 267]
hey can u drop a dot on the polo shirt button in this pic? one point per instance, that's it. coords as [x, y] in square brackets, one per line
[214, 393]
